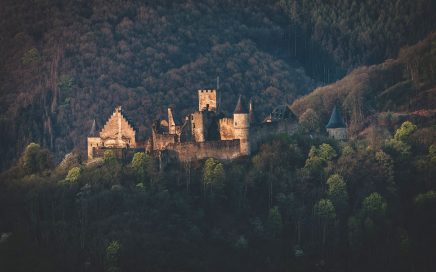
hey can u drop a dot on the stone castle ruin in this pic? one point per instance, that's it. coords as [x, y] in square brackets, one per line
[204, 133]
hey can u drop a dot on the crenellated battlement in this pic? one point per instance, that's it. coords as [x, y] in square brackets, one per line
[201, 134]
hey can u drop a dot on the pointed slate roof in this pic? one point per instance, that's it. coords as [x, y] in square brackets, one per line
[336, 120]
[239, 106]
[93, 132]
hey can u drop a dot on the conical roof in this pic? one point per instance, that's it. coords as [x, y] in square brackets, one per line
[240, 107]
[336, 120]
[93, 131]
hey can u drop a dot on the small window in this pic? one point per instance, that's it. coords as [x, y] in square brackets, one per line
[193, 125]
[236, 123]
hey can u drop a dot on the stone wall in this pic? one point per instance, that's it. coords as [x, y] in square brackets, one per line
[224, 150]
[117, 132]
[160, 141]
[226, 129]
[197, 126]
[261, 132]
[337, 133]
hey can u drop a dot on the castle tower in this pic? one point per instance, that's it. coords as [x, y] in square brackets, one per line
[336, 127]
[94, 141]
[207, 100]
[241, 127]
[171, 123]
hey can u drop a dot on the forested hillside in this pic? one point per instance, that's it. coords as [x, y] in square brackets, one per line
[64, 63]
[404, 85]
[299, 204]
[360, 32]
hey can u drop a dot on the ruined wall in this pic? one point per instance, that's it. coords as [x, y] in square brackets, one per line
[261, 132]
[197, 126]
[226, 129]
[224, 150]
[117, 132]
[207, 98]
[161, 141]
[93, 142]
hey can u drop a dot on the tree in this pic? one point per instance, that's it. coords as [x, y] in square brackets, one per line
[73, 174]
[35, 159]
[325, 211]
[112, 256]
[213, 174]
[274, 223]
[327, 152]
[141, 164]
[374, 205]
[310, 121]
[405, 130]
[337, 192]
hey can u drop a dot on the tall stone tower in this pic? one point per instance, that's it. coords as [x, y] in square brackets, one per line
[241, 127]
[207, 100]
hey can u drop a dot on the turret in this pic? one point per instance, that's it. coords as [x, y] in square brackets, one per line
[93, 140]
[336, 127]
[171, 123]
[207, 100]
[241, 127]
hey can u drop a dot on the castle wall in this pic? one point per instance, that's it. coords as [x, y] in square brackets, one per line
[93, 142]
[207, 98]
[226, 129]
[161, 141]
[197, 126]
[259, 133]
[188, 151]
[338, 133]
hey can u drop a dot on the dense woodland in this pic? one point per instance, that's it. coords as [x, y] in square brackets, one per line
[300, 203]
[65, 63]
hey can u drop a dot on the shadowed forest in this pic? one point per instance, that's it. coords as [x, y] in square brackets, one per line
[302, 202]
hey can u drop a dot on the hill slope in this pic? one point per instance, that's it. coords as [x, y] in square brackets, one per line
[404, 84]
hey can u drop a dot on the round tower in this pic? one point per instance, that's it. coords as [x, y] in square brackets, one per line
[241, 127]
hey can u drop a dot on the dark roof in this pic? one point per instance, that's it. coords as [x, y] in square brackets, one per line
[282, 112]
[93, 132]
[336, 120]
[240, 107]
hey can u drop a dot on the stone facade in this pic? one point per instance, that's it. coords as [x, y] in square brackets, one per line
[202, 134]
[116, 133]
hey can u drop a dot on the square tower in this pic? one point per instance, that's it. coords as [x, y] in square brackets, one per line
[207, 99]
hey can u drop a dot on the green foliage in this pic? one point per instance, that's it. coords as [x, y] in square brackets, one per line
[109, 156]
[31, 56]
[406, 129]
[213, 173]
[35, 159]
[275, 223]
[398, 149]
[327, 152]
[337, 192]
[142, 165]
[374, 205]
[73, 174]
[325, 210]
[426, 199]
[309, 121]
[112, 256]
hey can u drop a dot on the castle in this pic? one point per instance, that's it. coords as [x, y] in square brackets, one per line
[204, 133]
